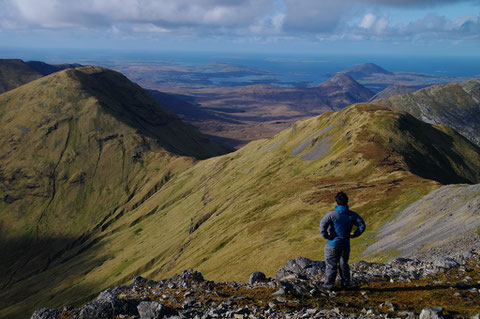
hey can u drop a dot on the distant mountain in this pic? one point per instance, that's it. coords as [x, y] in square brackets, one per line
[334, 94]
[105, 202]
[454, 104]
[391, 91]
[344, 85]
[46, 69]
[15, 72]
[365, 70]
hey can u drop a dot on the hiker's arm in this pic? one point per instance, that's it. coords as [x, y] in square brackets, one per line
[324, 227]
[360, 223]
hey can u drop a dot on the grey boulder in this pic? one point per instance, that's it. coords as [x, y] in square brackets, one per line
[154, 310]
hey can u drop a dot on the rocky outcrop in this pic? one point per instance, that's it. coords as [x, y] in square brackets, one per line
[301, 267]
[289, 295]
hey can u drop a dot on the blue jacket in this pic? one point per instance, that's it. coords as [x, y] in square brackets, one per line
[337, 226]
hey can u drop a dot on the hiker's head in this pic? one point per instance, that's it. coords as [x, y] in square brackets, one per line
[341, 198]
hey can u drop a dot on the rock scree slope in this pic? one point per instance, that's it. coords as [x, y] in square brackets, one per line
[447, 219]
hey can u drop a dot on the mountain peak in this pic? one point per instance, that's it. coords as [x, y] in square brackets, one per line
[365, 70]
[345, 83]
[342, 79]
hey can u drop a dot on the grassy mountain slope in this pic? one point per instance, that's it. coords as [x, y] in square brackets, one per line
[253, 209]
[454, 104]
[77, 145]
[14, 73]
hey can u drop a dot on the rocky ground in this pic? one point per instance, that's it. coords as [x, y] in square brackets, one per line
[433, 287]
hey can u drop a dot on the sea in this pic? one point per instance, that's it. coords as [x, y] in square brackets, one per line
[280, 69]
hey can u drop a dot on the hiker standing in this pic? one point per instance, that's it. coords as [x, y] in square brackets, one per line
[336, 228]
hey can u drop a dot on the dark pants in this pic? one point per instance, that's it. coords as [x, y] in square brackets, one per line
[333, 257]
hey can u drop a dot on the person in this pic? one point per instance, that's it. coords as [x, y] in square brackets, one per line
[336, 228]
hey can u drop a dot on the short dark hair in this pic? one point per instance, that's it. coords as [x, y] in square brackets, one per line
[341, 198]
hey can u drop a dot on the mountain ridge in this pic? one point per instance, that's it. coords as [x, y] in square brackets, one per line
[455, 104]
[391, 91]
[16, 72]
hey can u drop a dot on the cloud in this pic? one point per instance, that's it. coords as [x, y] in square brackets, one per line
[315, 16]
[416, 3]
[368, 21]
[268, 26]
[319, 20]
[430, 28]
[162, 13]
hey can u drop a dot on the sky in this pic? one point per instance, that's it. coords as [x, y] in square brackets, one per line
[423, 27]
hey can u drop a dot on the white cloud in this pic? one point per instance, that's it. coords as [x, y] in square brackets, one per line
[381, 25]
[368, 21]
[148, 27]
[415, 3]
[163, 13]
[277, 21]
[377, 25]
[315, 19]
